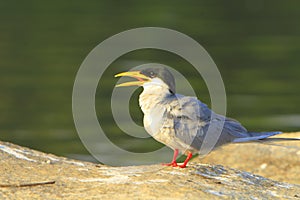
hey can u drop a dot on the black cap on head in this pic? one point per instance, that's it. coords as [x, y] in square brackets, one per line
[162, 73]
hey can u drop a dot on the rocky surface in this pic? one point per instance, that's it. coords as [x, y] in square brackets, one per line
[29, 174]
[279, 161]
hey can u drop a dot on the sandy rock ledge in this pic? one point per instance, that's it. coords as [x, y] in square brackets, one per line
[29, 174]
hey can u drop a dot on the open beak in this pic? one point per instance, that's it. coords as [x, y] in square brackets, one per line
[134, 74]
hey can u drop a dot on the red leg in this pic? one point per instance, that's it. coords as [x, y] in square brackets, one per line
[173, 163]
[189, 156]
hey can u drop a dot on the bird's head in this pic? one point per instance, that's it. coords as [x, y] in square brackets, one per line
[150, 77]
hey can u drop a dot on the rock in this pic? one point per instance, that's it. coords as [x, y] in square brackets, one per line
[279, 161]
[29, 174]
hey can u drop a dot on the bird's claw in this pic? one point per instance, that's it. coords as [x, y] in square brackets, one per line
[173, 164]
[182, 166]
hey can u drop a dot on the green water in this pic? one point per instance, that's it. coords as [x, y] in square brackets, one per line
[255, 44]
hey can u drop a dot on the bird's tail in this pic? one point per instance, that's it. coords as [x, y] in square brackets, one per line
[263, 137]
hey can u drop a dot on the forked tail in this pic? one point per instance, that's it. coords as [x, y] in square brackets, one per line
[263, 137]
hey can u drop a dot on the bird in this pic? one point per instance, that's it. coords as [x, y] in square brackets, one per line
[181, 122]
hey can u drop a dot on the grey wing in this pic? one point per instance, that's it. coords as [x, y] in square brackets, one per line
[192, 119]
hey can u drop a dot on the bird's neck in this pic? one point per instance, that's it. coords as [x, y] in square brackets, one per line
[152, 97]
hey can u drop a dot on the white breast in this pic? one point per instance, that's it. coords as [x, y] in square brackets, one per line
[151, 102]
[154, 103]
[153, 120]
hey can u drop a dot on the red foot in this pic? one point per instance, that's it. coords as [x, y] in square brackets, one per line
[174, 163]
[182, 166]
[189, 156]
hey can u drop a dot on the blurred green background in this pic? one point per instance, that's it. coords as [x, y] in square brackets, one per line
[255, 44]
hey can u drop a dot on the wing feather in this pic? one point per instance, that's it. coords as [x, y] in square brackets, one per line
[191, 119]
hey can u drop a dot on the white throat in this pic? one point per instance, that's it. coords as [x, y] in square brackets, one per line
[153, 93]
[152, 101]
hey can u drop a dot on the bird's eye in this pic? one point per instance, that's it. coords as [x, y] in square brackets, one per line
[151, 74]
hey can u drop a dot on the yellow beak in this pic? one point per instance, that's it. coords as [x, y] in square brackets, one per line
[134, 74]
